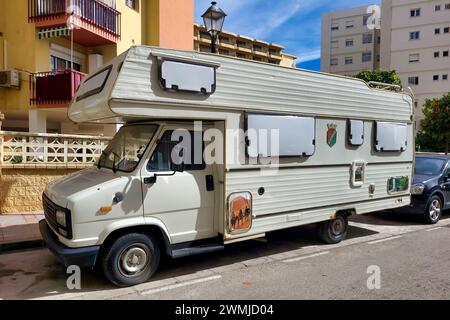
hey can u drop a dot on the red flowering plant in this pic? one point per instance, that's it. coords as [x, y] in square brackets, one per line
[436, 123]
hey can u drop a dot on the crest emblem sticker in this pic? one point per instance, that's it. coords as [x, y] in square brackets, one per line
[332, 135]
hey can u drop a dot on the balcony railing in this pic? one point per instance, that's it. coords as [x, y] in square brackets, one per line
[94, 12]
[36, 150]
[55, 87]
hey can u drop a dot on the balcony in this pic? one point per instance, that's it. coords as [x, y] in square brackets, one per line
[96, 22]
[19, 150]
[54, 89]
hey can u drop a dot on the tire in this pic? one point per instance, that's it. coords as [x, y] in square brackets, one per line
[433, 213]
[334, 231]
[131, 260]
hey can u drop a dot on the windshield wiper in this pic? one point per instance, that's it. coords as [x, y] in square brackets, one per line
[114, 169]
[99, 163]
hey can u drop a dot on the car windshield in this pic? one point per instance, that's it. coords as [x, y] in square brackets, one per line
[125, 151]
[429, 166]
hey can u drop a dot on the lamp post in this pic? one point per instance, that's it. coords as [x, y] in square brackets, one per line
[213, 19]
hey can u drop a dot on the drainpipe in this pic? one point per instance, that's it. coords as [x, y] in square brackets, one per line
[5, 53]
[2, 117]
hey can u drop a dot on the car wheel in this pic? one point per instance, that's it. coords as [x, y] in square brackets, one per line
[334, 231]
[132, 259]
[434, 210]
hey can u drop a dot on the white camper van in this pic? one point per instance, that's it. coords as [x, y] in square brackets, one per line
[216, 150]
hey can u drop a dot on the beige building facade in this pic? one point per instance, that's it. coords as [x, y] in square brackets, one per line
[234, 45]
[350, 41]
[416, 43]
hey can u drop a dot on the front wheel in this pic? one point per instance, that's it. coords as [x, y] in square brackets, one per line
[132, 259]
[334, 231]
[434, 210]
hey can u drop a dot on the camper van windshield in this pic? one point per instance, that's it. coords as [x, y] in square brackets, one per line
[127, 148]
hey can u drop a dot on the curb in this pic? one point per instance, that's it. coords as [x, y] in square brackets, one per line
[21, 246]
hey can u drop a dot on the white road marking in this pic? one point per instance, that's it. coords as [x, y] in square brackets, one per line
[180, 285]
[433, 229]
[384, 240]
[307, 257]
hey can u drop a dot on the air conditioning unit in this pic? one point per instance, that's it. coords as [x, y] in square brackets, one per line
[10, 79]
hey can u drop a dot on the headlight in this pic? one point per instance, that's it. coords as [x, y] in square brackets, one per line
[61, 218]
[417, 189]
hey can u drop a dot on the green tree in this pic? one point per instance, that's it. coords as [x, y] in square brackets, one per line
[429, 142]
[436, 124]
[384, 76]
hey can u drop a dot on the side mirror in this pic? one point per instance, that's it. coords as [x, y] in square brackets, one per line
[177, 167]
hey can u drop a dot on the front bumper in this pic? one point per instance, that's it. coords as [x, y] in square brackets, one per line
[81, 257]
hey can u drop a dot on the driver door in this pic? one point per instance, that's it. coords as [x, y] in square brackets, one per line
[183, 201]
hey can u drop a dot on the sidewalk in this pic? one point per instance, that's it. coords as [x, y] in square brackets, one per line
[18, 229]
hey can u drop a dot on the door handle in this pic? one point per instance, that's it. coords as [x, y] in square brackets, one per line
[209, 183]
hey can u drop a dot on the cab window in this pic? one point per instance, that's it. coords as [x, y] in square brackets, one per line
[192, 158]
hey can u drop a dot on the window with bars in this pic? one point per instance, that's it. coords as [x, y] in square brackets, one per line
[366, 56]
[413, 81]
[367, 38]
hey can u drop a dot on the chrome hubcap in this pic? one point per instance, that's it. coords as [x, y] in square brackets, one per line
[337, 227]
[435, 210]
[134, 260]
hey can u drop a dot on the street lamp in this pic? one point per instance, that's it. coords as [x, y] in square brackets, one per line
[214, 18]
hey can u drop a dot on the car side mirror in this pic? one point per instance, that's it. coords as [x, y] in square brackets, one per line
[176, 167]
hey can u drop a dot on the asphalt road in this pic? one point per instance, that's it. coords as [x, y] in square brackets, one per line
[411, 259]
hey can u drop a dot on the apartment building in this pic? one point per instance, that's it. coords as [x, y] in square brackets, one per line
[50, 59]
[349, 41]
[234, 45]
[416, 42]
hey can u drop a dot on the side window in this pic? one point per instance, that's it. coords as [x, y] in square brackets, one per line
[161, 158]
[356, 132]
[391, 137]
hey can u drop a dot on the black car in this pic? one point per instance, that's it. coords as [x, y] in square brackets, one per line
[431, 187]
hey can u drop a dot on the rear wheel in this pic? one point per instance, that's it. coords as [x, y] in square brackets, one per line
[434, 210]
[334, 231]
[132, 259]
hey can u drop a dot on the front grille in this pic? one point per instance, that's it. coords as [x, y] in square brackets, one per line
[50, 209]
[50, 212]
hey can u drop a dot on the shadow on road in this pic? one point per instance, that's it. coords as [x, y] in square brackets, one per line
[390, 218]
[274, 243]
[42, 276]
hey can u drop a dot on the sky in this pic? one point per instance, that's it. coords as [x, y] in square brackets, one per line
[295, 24]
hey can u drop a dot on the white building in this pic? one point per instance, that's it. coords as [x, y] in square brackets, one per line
[416, 42]
[350, 43]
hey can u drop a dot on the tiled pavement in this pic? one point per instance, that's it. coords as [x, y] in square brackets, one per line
[19, 228]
